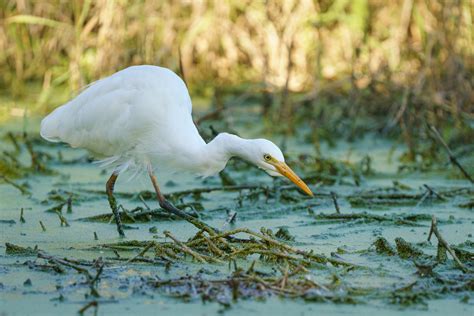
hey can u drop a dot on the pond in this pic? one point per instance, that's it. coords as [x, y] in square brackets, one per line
[298, 255]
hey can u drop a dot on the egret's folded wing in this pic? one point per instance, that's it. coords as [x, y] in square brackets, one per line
[117, 113]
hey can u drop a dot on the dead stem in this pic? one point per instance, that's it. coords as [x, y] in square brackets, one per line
[36, 164]
[66, 263]
[22, 219]
[334, 199]
[185, 248]
[87, 306]
[62, 219]
[452, 158]
[69, 203]
[143, 201]
[442, 241]
[42, 226]
[181, 66]
[91, 281]
[17, 186]
[168, 253]
[12, 138]
[433, 192]
[212, 247]
[142, 253]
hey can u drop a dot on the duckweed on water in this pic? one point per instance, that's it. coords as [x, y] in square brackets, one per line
[234, 260]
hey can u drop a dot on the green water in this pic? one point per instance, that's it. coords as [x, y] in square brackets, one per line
[121, 285]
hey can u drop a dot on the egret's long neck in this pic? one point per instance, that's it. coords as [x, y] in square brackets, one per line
[223, 147]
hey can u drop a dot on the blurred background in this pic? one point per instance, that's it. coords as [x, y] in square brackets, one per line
[341, 68]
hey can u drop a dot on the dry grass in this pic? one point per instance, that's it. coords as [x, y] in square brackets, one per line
[413, 57]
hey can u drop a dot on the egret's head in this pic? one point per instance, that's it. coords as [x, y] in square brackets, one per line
[267, 156]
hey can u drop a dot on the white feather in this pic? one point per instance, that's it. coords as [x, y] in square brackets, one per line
[140, 118]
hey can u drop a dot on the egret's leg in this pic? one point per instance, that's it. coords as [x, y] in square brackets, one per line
[109, 188]
[172, 209]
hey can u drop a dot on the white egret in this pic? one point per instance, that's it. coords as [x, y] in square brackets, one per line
[140, 118]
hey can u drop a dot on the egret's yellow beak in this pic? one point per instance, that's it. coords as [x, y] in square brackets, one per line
[286, 171]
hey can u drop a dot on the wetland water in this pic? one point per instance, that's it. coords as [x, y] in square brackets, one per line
[403, 276]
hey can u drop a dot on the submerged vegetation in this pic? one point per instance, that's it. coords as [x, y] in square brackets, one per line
[230, 263]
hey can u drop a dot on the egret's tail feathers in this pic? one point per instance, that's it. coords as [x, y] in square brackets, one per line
[121, 165]
[52, 126]
[107, 162]
[49, 129]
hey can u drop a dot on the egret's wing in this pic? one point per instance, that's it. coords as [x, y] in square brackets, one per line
[124, 111]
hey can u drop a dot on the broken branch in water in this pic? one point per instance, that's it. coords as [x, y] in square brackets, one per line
[434, 230]
[91, 281]
[65, 263]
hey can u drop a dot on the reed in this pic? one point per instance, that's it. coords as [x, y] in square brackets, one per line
[408, 60]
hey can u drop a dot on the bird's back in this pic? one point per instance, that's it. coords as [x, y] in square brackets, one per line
[125, 113]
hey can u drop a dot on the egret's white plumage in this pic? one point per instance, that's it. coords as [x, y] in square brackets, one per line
[141, 117]
[137, 114]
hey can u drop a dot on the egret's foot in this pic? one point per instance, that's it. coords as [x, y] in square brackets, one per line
[115, 211]
[195, 221]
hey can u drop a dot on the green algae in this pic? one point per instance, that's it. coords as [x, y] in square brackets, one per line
[406, 250]
[382, 246]
[15, 250]
[278, 246]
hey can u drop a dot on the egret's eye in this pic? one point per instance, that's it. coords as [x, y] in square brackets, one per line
[267, 157]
